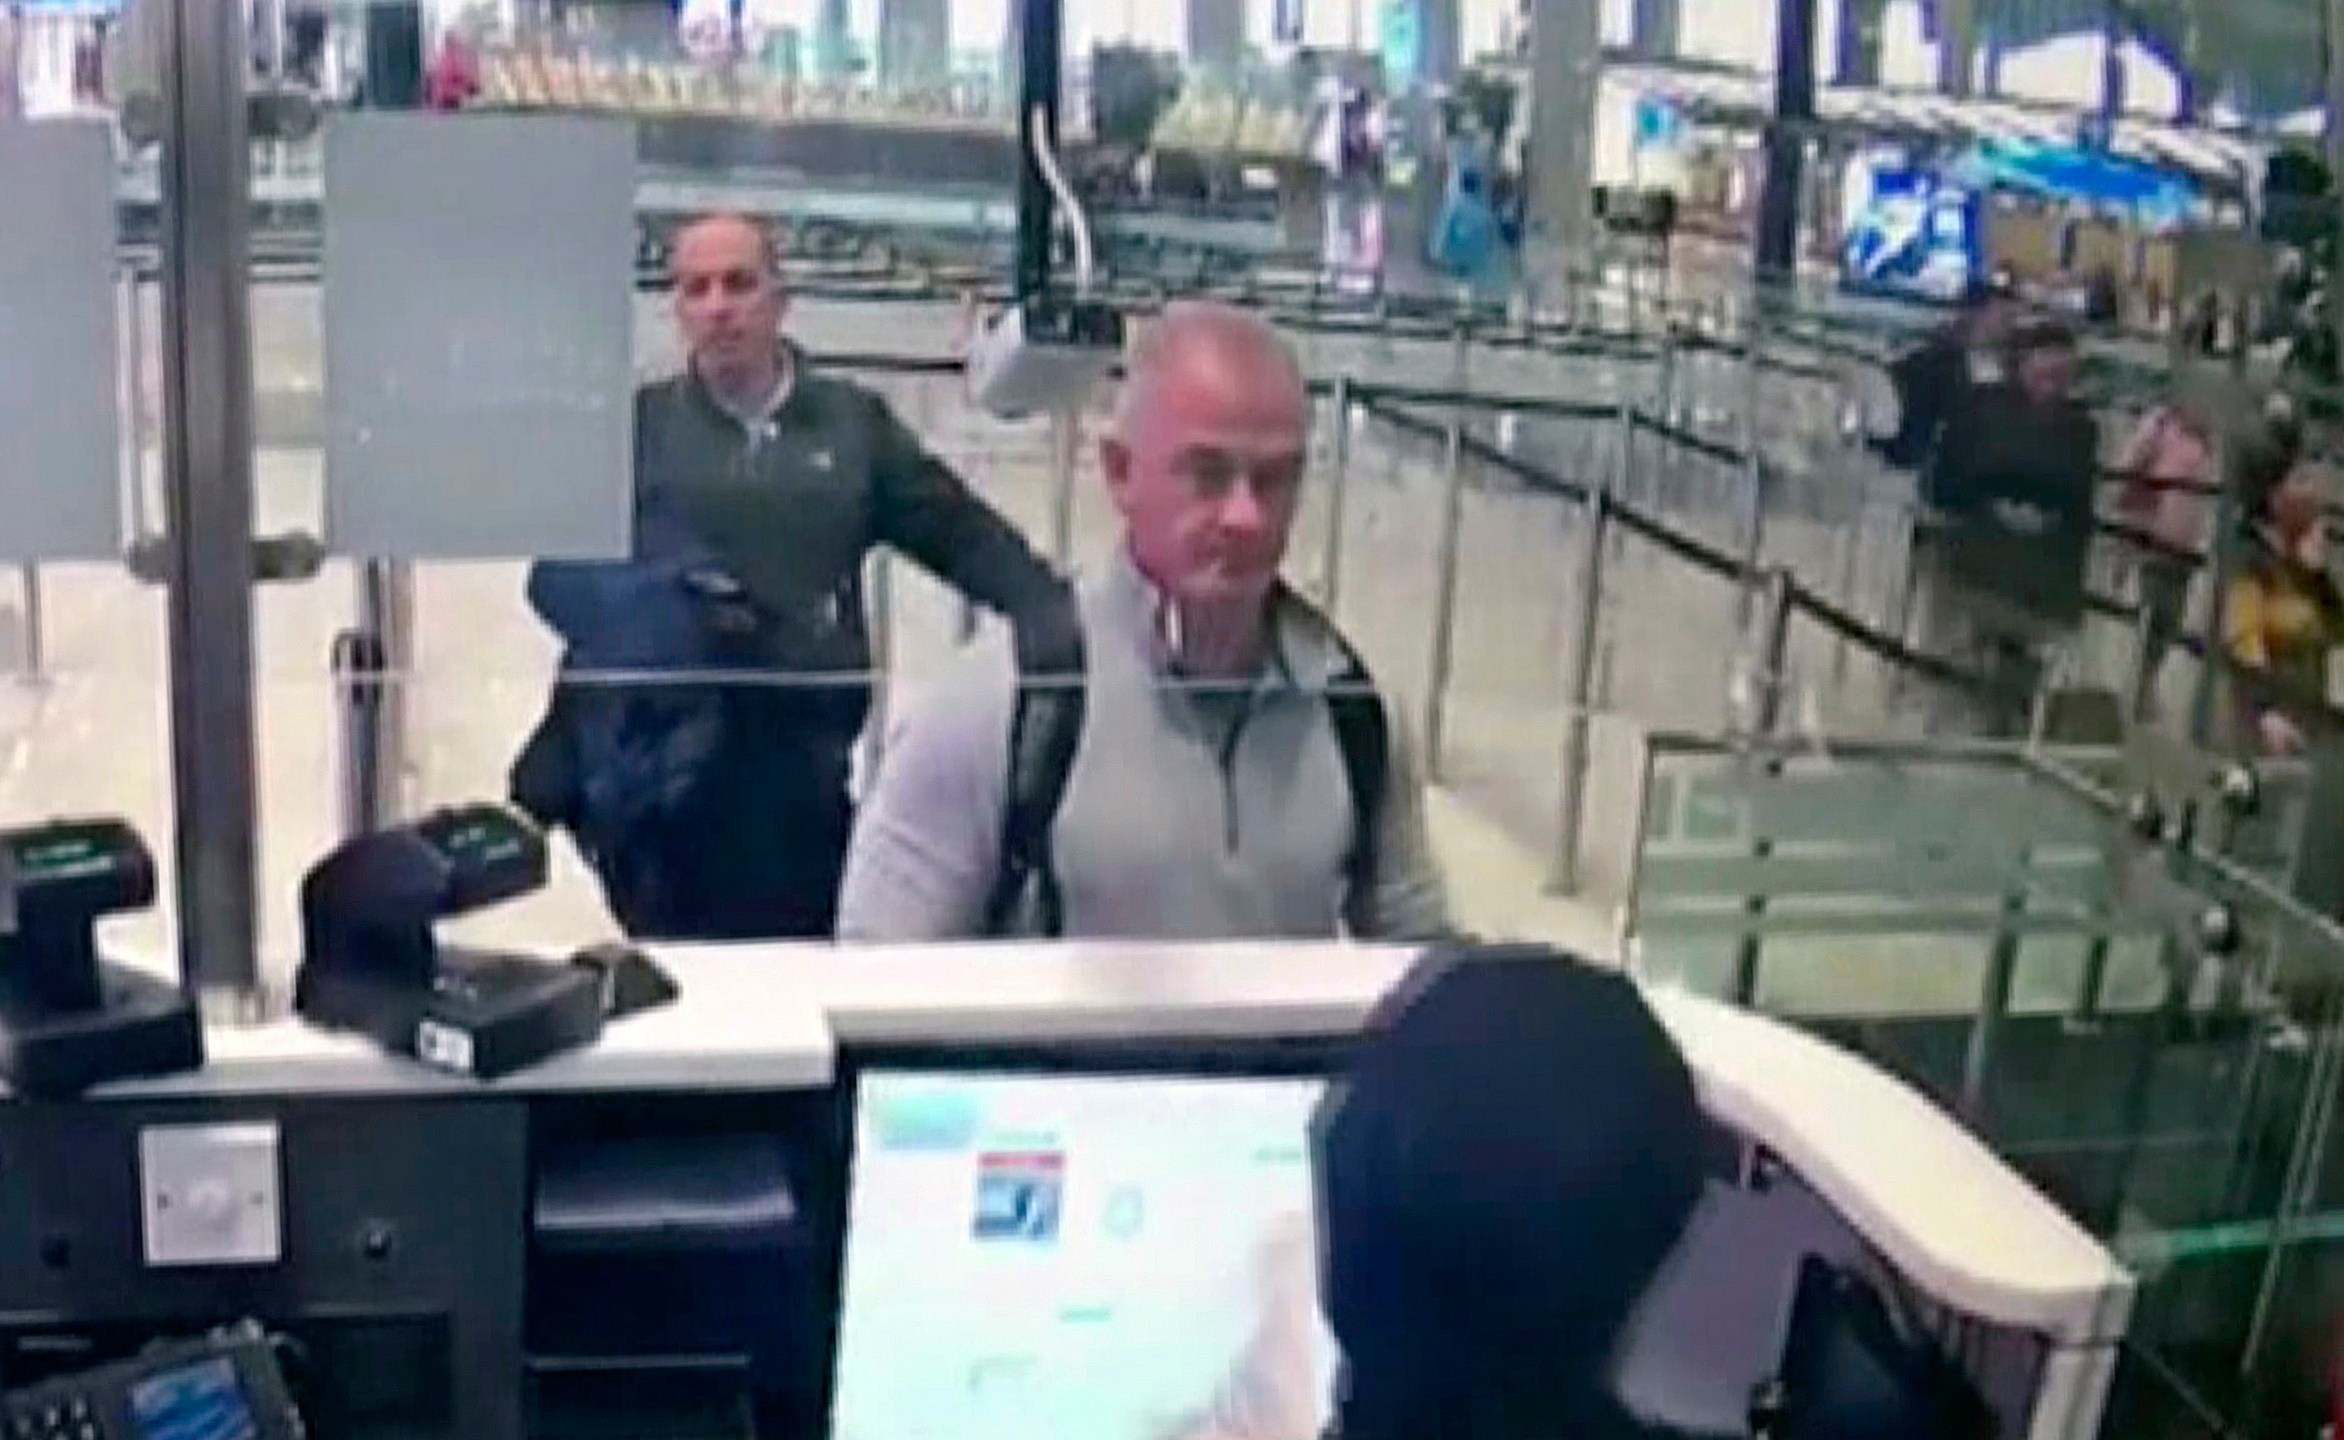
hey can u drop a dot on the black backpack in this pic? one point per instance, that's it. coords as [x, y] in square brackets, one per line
[1045, 730]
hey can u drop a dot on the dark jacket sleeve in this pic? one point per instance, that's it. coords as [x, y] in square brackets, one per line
[1928, 379]
[925, 510]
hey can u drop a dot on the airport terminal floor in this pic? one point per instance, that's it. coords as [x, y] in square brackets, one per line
[338, 1107]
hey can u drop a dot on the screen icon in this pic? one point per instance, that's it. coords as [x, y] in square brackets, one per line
[1019, 1196]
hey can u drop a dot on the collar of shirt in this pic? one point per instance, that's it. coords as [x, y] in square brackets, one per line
[1159, 619]
[757, 419]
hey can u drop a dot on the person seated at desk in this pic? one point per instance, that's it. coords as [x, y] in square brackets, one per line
[719, 809]
[1214, 763]
[1486, 1235]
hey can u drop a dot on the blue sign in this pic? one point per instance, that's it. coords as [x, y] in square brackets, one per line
[1658, 122]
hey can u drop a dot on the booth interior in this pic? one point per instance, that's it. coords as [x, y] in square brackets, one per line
[961, 1190]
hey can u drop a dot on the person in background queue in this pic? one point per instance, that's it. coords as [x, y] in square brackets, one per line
[1935, 379]
[2166, 469]
[714, 805]
[2283, 615]
[2017, 491]
[1215, 763]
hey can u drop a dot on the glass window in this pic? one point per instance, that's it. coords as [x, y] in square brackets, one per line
[83, 674]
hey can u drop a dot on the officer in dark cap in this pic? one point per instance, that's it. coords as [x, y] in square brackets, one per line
[1513, 1159]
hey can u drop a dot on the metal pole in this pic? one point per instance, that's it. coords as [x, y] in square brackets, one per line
[1444, 618]
[207, 446]
[36, 645]
[1065, 432]
[1040, 77]
[1778, 601]
[2225, 549]
[1338, 491]
[2145, 660]
[1578, 724]
[1765, 715]
[1625, 483]
[1753, 465]
[1993, 1005]
[134, 408]
[375, 664]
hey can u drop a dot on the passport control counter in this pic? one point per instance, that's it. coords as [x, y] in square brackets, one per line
[893, 1193]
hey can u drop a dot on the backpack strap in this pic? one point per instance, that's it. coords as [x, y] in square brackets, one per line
[1045, 728]
[1363, 731]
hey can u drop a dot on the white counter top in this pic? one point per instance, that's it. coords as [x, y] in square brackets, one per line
[765, 1017]
[1911, 1179]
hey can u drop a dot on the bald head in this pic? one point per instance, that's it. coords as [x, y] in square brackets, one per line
[1207, 459]
[732, 230]
[729, 303]
[1207, 347]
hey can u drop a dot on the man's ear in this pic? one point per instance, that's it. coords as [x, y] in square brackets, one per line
[1115, 462]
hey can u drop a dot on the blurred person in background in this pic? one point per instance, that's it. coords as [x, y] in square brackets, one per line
[709, 792]
[2166, 469]
[2018, 477]
[1935, 379]
[452, 81]
[2282, 616]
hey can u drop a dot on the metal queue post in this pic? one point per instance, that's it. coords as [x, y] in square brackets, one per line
[1442, 659]
[1579, 696]
[1338, 495]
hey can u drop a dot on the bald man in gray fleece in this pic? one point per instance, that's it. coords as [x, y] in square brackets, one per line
[1209, 796]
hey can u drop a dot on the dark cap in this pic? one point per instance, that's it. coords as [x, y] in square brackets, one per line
[1515, 1154]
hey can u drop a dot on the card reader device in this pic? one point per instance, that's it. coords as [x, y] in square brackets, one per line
[68, 1019]
[371, 962]
[226, 1386]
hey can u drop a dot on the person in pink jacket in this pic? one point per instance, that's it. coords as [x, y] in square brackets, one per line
[2167, 469]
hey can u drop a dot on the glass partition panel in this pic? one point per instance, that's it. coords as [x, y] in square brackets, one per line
[84, 673]
[2145, 1029]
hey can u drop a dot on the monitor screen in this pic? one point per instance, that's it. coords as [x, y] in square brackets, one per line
[199, 1401]
[1087, 1257]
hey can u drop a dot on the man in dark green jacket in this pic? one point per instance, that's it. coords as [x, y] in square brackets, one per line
[716, 806]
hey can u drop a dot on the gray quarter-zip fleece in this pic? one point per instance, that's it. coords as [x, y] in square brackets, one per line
[1193, 811]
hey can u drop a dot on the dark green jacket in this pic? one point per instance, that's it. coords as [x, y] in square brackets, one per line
[791, 508]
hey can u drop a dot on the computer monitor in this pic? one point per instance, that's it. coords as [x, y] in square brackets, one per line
[1084, 1255]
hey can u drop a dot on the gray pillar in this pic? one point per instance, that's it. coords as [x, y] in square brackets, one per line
[1656, 25]
[915, 42]
[1566, 61]
[1443, 40]
[833, 40]
[1216, 34]
[1957, 43]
